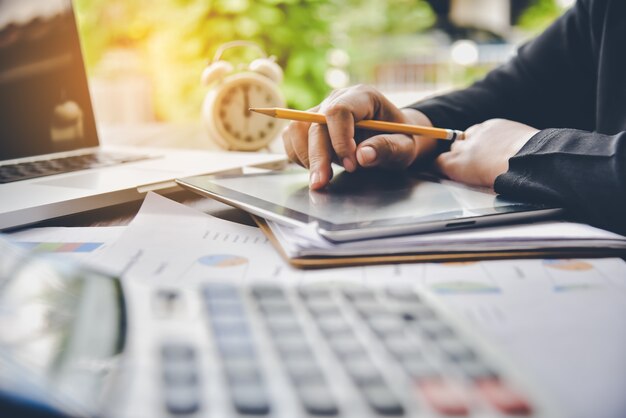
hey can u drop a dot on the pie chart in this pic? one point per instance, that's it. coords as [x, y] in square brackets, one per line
[222, 260]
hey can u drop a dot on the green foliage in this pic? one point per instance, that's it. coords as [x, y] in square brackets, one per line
[106, 24]
[374, 31]
[539, 15]
[176, 38]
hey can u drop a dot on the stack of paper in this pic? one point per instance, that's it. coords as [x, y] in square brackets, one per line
[546, 235]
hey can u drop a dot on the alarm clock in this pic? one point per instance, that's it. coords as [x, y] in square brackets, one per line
[225, 110]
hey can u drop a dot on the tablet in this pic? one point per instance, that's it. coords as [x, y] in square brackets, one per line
[365, 204]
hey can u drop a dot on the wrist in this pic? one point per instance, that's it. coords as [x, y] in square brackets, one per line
[523, 139]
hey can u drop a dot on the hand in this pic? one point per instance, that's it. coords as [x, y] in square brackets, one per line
[315, 146]
[484, 153]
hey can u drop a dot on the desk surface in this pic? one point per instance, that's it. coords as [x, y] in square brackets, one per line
[121, 215]
[159, 135]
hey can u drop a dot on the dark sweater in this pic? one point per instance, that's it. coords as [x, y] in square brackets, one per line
[570, 82]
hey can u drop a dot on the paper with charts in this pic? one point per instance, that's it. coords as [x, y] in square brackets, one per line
[562, 320]
[78, 243]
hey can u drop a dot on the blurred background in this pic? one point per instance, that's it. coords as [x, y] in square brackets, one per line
[145, 57]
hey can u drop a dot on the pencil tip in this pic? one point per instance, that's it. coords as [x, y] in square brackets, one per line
[264, 110]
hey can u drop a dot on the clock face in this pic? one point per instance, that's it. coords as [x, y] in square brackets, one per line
[238, 125]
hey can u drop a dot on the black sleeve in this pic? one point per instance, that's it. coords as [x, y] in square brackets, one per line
[550, 83]
[582, 171]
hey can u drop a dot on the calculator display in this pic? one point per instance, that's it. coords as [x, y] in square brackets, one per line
[60, 330]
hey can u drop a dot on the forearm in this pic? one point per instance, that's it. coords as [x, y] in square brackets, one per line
[582, 171]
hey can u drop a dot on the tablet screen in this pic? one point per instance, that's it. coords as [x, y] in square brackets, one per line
[365, 196]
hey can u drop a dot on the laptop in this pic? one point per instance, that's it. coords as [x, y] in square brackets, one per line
[51, 160]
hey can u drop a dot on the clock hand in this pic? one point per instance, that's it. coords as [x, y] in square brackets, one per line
[246, 96]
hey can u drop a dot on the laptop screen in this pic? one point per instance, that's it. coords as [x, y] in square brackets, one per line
[44, 99]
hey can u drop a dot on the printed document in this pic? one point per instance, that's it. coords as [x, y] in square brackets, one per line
[562, 321]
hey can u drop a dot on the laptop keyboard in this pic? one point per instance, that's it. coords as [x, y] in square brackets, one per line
[42, 168]
[338, 351]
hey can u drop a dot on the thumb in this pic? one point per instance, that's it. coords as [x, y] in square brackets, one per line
[388, 150]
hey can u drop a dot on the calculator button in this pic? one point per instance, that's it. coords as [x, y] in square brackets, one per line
[407, 316]
[290, 347]
[234, 363]
[314, 293]
[367, 309]
[420, 313]
[457, 351]
[243, 373]
[358, 293]
[221, 307]
[266, 292]
[476, 370]
[213, 291]
[379, 398]
[284, 337]
[386, 325]
[275, 308]
[334, 326]
[250, 399]
[182, 400]
[230, 348]
[323, 308]
[435, 329]
[401, 347]
[317, 400]
[179, 373]
[403, 294]
[284, 331]
[294, 359]
[418, 369]
[283, 326]
[446, 398]
[346, 346]
[362, 371]
[302, 372]
[230, 327]
[503, 398]
[177, 352]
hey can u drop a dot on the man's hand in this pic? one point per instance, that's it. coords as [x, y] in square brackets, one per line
[315, 146]
[484, 153]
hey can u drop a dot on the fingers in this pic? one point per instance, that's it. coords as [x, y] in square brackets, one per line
[315, 146]
[443, 164]
[319, 155]
[390, 151]
[295, 139]
[342, 109]
[447, 164]
[340, 122]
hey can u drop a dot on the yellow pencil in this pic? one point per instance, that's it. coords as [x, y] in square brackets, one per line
[374, 125]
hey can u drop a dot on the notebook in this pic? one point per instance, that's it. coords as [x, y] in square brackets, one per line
[305, 248]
